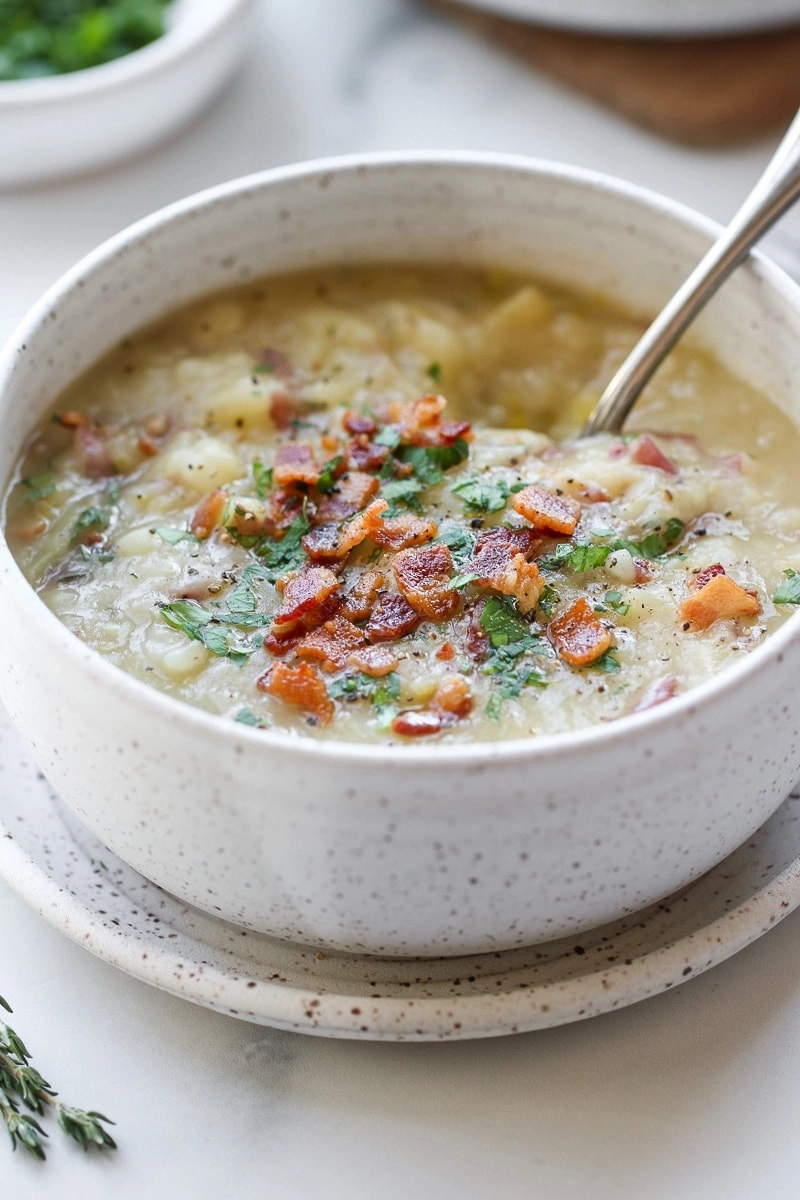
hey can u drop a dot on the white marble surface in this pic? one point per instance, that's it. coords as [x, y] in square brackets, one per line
[694, 1094]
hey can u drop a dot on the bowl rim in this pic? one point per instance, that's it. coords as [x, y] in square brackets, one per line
[194, 25]
[433, 755]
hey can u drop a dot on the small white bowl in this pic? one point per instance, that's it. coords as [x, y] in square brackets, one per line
[67, 124]
[401, 850]
[650, 18]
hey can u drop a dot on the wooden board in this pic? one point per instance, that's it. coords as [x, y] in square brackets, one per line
[709, 91]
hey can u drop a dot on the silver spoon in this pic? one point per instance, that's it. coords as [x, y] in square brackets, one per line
[775, 192]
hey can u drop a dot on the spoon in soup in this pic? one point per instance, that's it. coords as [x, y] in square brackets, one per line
[775, 192]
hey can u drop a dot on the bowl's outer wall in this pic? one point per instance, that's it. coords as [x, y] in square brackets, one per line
[400, 852]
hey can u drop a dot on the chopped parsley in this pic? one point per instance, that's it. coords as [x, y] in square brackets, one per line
[459, 540]
[327, 478]
[200, 625]
[434, 372]
[548, 599]
[586, 556]
[429, 462]
[173, 536]
[607, 663]
[277, 556]
[90, 519]
[482, 496]
[246, 717]
[40, 485]
[383, 694]
[789, 592]
[263, 479]
[502, 624]
[615, 600]
[402, 491]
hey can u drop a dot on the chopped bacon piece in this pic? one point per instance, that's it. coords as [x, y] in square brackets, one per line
[360, 600]
[398, 533]
[280, 644]
[335, 542]
[304, 592]
[373, 660]
[364, 455]
[331, 644]
[476, 639]
[446, 652]
[659, 691]
[423, 577]
[348, 497]
[420, 424]
[301, 685]
[647, 454]
[453, 696]
[294, 463]
[706, 575]
[643, 570]
[578, 636]
[207, 515]
[719, 600]
[74, 420]
[284, 410]
[94, 451]
[358, 423]
[547, 511]
[422, 722]
[392, 618]
[499, 564]
[146, 445]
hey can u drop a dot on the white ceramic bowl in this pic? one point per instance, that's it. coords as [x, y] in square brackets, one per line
[68, 124]
[413, 849]
[651, 18]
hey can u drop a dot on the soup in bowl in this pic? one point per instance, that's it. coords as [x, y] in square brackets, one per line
[341, 631]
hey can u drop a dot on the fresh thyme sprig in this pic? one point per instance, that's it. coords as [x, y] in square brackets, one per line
[21, 1086]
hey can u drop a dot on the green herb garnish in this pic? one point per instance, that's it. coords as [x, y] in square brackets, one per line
[587, 556]
[434, 372]
[246, 717]
[789, 592]
[402, 491]
[482, 496]
[327, 478]
[91, 519]
[615, 600]
[429, 462]
[263, 479]
[277, 556]
[173, 536]
[40, 485]
[459, 540]
[502, 623]
[383, 694]
[607, 663]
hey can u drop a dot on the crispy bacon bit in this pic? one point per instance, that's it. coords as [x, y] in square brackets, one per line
[301, 685]
[706, 575]
[360, 600]
[207, 515]
[349, 496]
[331, 644]
[578, 636]
[500, 564]
[659, 691]
[285, 410]
[647, 454]
[475, 638]
[719, 600]
[446, 652]
[294, 463]
[423, 577]
[146, 445]
[420, 424]
[392, 618]
[373, 660]
[358, 423]
[643, 570]
[95, 456]
[398, 533]
[423, 722]
[331, 541]
[364, 455]
[453, 696]
[280, 644]
[304, 592]
[547, 511]
[74, 420]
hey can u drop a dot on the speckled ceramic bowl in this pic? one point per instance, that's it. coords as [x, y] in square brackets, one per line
[413, 849]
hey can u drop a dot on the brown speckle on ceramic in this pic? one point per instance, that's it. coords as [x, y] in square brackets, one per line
[82, 889]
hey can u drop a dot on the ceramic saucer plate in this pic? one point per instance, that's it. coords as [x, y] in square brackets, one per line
[667, 18]
[67, 876]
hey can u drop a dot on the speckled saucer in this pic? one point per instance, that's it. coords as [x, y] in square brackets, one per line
[76, 884]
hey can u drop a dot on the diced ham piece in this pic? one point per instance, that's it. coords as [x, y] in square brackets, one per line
[646, 453]
[295, 463]
[547, 511]
[348, 497]
[659, 691]
[331, 644]
[208, 514]
[373, 660]
[579, 638]
[719, 600]
[423, 576]
[304, 592]
[334, 542]
[398, 533]
[359, 602]
[392, 618]
[301, 685]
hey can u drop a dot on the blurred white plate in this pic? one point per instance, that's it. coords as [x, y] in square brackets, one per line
[69, 124]
[76, 884]
[654, 17]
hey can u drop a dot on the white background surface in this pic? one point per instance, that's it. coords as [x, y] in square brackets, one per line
[695, 1094]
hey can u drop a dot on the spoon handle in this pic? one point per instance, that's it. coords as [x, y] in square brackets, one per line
[775, 192]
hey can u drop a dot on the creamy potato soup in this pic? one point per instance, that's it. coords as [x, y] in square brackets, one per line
[353, 505]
